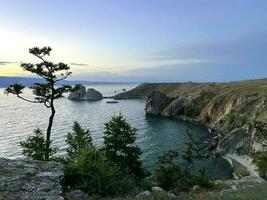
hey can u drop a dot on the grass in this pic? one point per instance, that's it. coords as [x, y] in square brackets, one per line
[253, 192]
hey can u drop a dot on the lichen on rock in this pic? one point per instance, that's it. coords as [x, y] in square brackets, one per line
[27, 179]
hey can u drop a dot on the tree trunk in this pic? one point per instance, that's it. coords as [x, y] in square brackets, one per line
[49, 128]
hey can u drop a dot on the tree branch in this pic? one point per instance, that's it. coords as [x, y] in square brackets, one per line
[31, 101]
[48, 106]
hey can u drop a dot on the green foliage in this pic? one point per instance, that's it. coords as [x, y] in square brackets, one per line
[94, 174]
[201, 179]
[34, 146]
[261, 129]
[45, 93]
[190, 111]
[78, 140]
[168, 172]
[260, 159]
[191, 152]
[119, 138]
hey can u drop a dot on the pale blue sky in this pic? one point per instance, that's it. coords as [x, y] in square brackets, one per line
[139, 40]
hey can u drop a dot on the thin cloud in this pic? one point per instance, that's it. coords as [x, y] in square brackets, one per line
[80, 64]
[6, 62]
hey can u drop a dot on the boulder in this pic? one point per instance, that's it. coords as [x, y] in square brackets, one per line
[80, 94]
[157, 189]
[196, 188]
[143, 194]
[156, 102]
[93, 95]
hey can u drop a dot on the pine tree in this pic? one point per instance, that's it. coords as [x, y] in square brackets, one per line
[45, 93]
[34, 146]
[78, 140]
[119, 138]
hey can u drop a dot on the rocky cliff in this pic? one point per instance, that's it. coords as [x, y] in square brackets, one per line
[237, 109]
[80, 94]
[28, 179]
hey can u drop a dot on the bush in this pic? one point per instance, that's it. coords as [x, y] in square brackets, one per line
[78, 140]
[168, 172]
[91, 172]
[201, 179]
[119, 138]
[260, 159]
[35, 146]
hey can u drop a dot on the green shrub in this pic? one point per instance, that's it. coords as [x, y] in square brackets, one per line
[119, 138]
[78, 140]
[91, 172]
[260, 159]
[168, 172]
[201, 179]
[35, 146]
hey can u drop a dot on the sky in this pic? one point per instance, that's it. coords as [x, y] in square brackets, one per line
[139, 40]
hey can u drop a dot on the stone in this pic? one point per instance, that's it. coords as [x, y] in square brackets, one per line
[80, 94]
[196, 188]
[29, 179]
[144, 194]
[157, 189]
[76, 194]
[171, 195]
[233, 187]
[93, 95]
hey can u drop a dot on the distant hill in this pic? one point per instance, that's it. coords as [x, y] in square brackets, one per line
[7, 80]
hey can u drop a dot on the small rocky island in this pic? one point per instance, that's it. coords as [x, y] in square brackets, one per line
[80, 94]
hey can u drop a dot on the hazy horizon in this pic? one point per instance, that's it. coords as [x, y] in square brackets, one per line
[139, 41]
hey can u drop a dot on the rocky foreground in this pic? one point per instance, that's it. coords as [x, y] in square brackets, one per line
[27, 179]
[236, 111]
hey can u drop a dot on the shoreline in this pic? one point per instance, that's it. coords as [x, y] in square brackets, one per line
[243, 160]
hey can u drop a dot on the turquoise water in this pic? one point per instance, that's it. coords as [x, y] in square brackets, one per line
[155, 135]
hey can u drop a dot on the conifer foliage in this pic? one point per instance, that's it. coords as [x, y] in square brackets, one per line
[46, 92]
[119, 139]
[78, 140]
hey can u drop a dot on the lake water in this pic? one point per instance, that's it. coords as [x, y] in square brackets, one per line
[155, 135]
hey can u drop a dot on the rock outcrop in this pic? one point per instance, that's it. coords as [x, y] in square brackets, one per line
[93, 95]
[156, 102]
[27, 179]
[80, 94]
[234, 109]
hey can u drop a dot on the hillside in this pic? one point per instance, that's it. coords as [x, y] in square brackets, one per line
[237, 109]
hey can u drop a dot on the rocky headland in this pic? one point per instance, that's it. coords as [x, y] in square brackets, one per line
[81, 94]
[235, 112]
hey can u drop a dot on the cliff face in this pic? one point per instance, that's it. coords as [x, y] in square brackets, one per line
[238, 109]
[156, 103]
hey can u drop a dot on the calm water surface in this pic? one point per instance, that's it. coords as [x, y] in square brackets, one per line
[155, 135]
